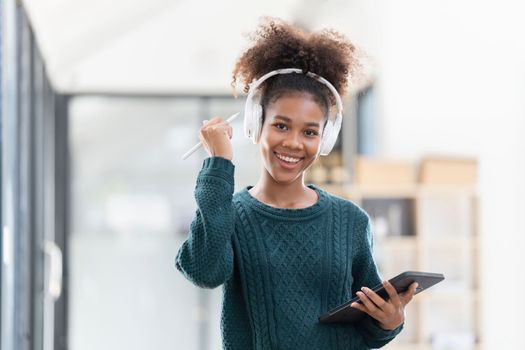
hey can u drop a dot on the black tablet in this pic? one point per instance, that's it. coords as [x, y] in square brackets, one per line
[345, 313]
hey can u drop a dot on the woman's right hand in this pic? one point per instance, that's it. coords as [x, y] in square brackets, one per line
[215, 135]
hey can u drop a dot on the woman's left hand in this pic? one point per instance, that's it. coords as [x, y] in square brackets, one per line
[390, 314]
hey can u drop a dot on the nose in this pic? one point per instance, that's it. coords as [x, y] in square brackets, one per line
[293, 141]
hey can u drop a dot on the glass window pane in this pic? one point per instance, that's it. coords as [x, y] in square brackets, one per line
[132, 201]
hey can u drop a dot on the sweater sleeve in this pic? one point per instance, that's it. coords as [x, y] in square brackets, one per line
[365, 274]
[206, 257]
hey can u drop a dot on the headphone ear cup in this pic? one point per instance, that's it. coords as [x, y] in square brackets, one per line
[252, 117]
[257, 113]
[330, 133]
[325, 140]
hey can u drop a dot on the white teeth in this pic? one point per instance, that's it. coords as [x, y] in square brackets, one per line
[288, 159]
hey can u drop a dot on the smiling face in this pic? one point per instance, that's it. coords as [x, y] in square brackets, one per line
[291, 136]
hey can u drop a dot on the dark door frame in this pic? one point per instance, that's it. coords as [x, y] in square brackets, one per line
[35, 194]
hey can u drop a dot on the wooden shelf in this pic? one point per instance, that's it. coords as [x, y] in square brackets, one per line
[405, 191]
[471, 294]
[418, 346]
[402, 240]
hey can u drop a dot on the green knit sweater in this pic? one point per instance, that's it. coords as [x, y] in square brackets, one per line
[280, 268]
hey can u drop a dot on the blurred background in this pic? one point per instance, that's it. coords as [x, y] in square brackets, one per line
[100, 99]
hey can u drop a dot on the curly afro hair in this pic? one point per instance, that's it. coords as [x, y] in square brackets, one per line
[277, 44]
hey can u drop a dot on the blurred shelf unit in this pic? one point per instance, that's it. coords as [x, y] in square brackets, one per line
[424, 221]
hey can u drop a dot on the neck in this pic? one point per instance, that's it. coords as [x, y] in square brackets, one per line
[283, 195]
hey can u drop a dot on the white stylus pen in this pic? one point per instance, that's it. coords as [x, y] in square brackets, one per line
[199, 145]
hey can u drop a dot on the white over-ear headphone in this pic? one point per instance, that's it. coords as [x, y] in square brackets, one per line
[253, 111]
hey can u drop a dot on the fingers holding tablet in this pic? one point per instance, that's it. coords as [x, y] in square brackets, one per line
[396, 292]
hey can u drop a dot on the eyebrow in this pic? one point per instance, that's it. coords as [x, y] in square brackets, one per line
[288, 120]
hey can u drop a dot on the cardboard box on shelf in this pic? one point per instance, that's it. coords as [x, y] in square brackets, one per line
[339, 175]
[372, 171]
[448, 171]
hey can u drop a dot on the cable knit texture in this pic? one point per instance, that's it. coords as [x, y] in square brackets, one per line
[280, 268]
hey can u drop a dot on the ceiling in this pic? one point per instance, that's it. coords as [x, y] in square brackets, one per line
[165, 46]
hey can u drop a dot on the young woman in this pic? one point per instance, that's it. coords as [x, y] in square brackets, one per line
[286, 252]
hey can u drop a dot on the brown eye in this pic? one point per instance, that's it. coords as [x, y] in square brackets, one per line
[311, 133]
[280, 126]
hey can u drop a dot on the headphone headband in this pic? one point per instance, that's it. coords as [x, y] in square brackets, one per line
[255, 85]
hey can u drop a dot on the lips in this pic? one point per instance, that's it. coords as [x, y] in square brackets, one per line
[288, 161]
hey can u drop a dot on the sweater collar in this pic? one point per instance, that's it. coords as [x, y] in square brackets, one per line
[319, 206]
